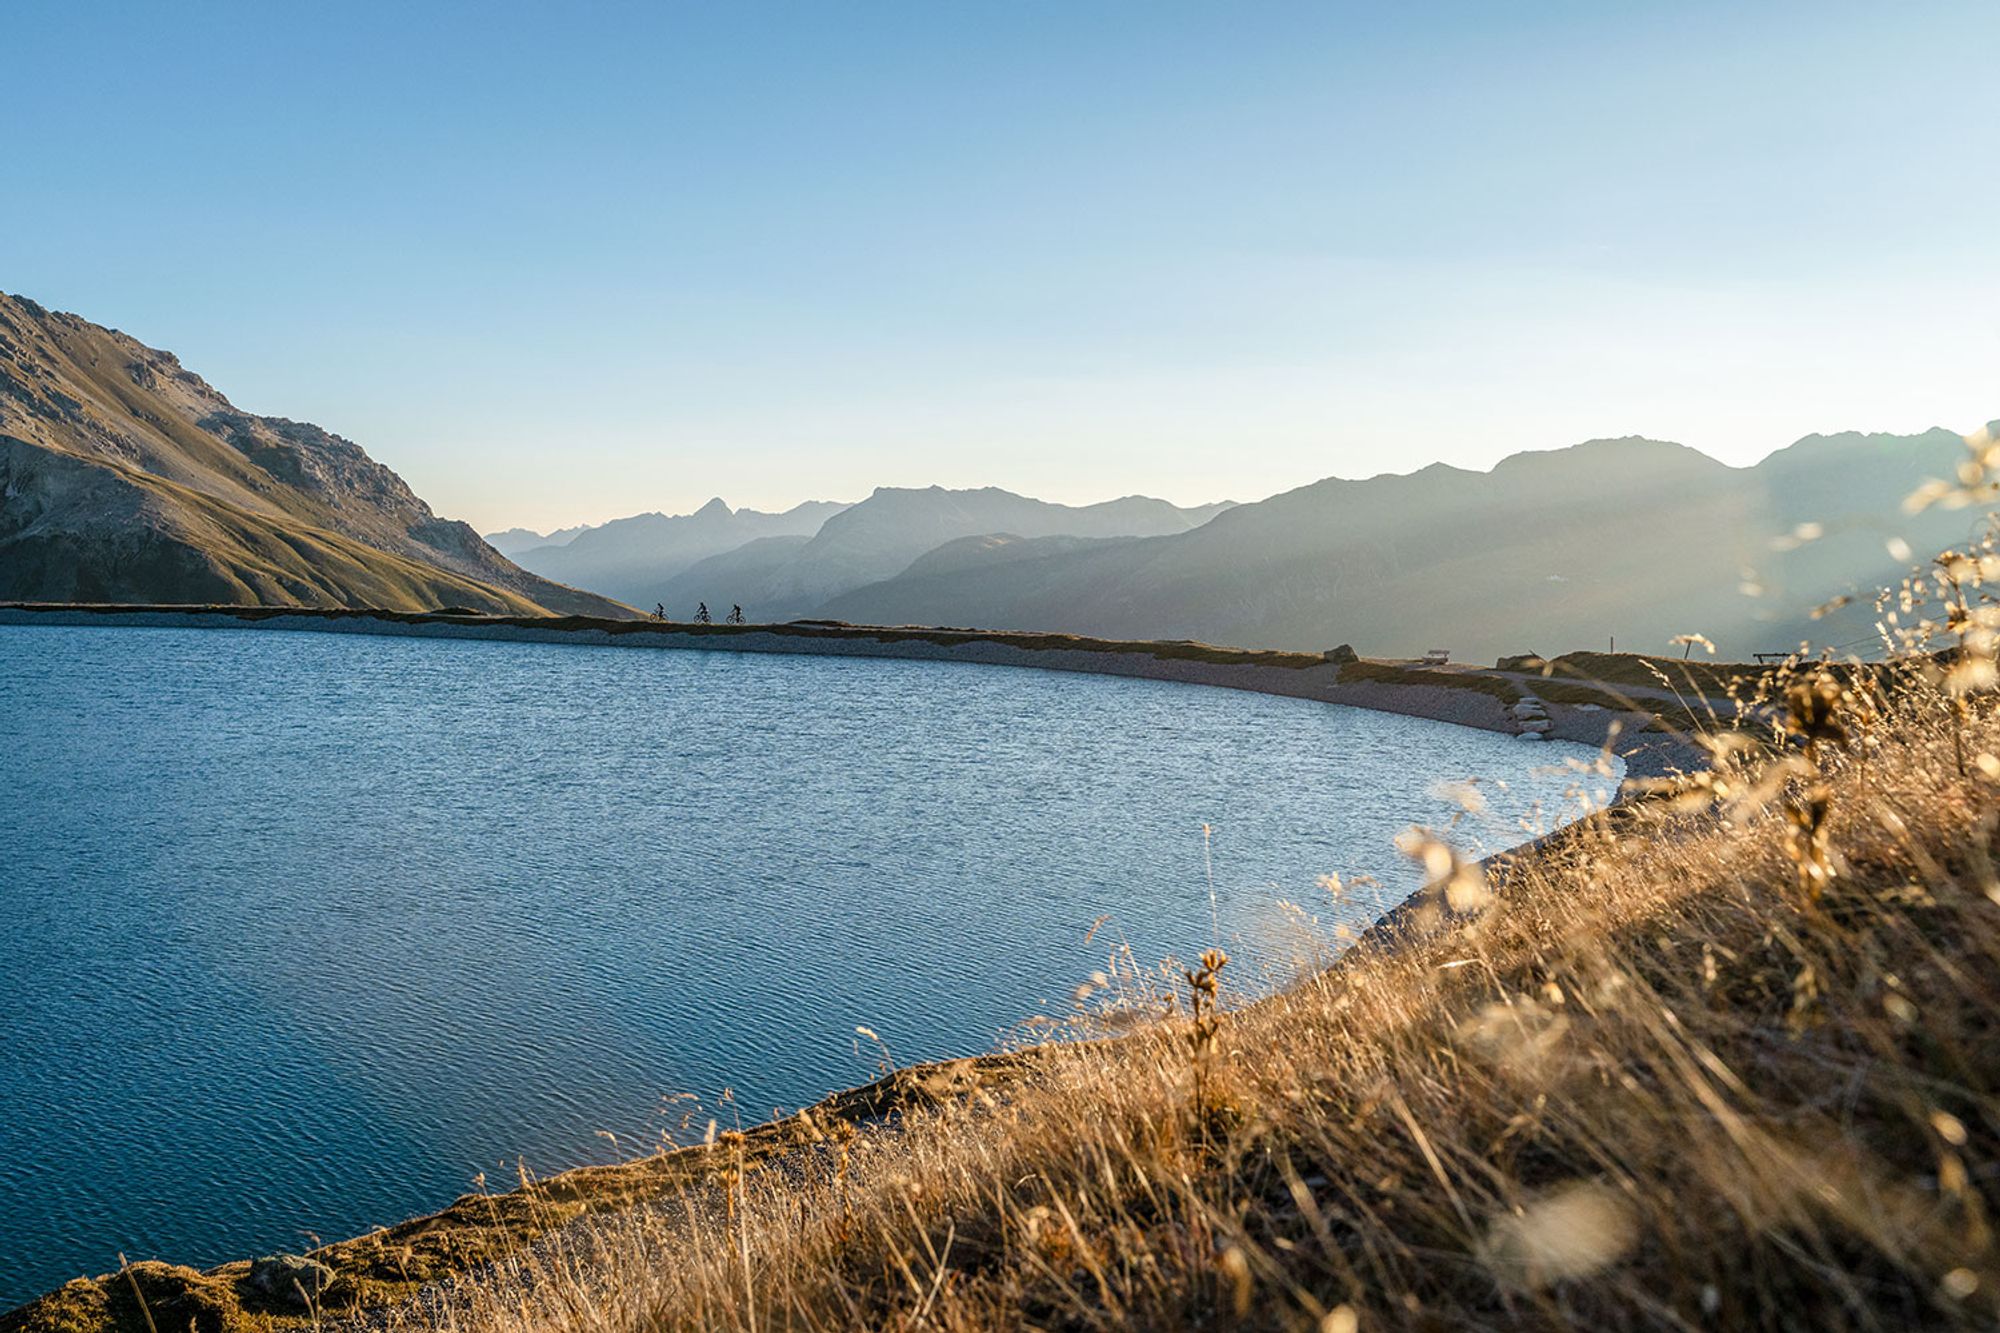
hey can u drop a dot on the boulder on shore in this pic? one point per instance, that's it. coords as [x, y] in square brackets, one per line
[290, 1278]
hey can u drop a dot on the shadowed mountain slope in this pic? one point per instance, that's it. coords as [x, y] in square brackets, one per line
[1631, 538]
[124, 477]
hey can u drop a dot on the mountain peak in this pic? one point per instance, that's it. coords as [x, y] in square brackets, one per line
[1627, 456]
[130, 478]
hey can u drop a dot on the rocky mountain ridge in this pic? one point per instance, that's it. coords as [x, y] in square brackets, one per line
[126, 477]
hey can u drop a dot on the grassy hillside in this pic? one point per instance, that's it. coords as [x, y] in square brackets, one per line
[175, 543]
[125, 477]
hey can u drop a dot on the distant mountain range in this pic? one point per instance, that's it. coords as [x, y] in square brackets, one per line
[125, 478]
[1628, 540]
[780, 578]
[1631, 539]
[634, 559]
[516, 540]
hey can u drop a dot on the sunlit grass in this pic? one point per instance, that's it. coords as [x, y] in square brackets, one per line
[1705, 1064]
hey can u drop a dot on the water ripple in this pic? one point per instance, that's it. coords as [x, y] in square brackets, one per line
[304, 931]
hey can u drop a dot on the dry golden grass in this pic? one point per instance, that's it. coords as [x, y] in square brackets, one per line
[1726, 1059]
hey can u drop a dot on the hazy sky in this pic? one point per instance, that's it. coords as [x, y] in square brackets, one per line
[561, 262]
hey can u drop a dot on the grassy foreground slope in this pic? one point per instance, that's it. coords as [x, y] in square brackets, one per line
[1724, 1058]
[1728, 1059]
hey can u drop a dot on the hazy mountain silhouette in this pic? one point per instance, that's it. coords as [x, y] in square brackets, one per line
[126, 478]
[514, 541]
[881, 536]
[997, 548]
[633, 559]
[1631, 538]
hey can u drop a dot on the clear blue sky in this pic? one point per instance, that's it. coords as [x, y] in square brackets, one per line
[560, 262]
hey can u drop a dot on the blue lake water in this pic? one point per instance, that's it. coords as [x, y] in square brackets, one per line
[300, 932]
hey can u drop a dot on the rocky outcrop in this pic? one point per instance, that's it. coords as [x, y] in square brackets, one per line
[1531, 718]
[126, 477]
[290, 1279]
